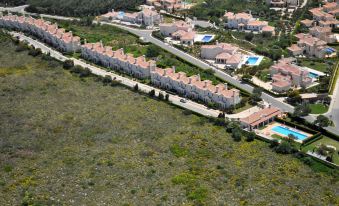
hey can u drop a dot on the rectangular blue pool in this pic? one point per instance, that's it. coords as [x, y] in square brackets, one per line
[313, 75]
[252, 60]
[286, 131]
[207, 38]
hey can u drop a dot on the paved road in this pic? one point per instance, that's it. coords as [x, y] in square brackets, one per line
[18, 9]
[190, 105]
[147, 35]
[333, 111]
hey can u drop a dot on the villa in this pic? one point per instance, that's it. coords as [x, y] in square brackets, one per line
[192, 87]
[44, 30]
[222, 53]
[326, 15]
[309, 45]
[323, 33]
[285, 74]
[146, 16]
[179, 30]
[168, 5]
[244, 21]
[260, 118]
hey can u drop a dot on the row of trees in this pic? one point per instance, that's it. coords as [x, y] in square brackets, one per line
[80, 8]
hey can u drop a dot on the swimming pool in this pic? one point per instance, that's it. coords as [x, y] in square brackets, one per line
[207, 38]
[252, 60]
[313, 75]
[330, 50]
[286, 131]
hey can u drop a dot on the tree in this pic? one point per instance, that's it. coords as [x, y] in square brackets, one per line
[302, 110]
[249, 36]
[250, 136]
[167, 97]
[293, 97]
[236, 134]
[322, 121]
[107, 79]
[231, 125]
[161, 96]
[152, 93]
[152, 51]
[68, 64]
[284, 148]
[255, 96]
[136, 87]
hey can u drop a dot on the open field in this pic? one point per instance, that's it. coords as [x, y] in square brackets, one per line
[72, 141]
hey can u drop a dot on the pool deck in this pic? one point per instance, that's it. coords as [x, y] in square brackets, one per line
[268, 131]
[260, 58]
[200, 37]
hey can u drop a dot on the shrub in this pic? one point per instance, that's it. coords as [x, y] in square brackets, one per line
[34, 52]
[136, 87]
[152, 93]
[236, 134]
[250, 136]
[161, 96]
[107, 80]
[284, 148]
[167, 97]
[68, 64]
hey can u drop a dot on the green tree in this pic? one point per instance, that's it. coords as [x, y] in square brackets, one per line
[322, 121]
[167, 97]
[68, 64]
[152, 93]
[136, 87]
[302, 110]
[161, 96]
[250, 136]
[152, 51]
[293, 97]
[236, 134]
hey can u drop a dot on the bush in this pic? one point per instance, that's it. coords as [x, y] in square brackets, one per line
[152, 93]
[136, 87]
[107, 80]
[285, 148]
[250, 136]
[161, 96]
[34, 52]
[68, 64]
[167, 97]
[236, 134]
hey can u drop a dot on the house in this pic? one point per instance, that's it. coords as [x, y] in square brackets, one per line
[307, 22]
[179, 30]
[168, 5]
[192, 87]
[222, 53]
[44, 30]
[282, 3]
[244, 21]
[286, 74]
[147, 16]
[323, 33]
[309, 45]
[260, 118]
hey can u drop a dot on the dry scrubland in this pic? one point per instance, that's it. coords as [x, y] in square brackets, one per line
[71, 141]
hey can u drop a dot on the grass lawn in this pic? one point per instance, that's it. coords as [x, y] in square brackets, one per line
[318, 108]
[247, 106]
[317, 65]
[67, 140]
[326, 141]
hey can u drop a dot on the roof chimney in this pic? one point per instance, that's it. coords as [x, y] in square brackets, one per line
[198, 77]
[205, 83]
[85, 41]
[173, 68]
[112, 10]
[101, 44]
[189, 80]
[135, 60]
[152, 66]
[225, 86]
[216, 89]
[179, 75]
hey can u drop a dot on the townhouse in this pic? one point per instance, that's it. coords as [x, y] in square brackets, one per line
[326, 15]
[44, 30]
[192, 87]
[222, 53]
[179, 30]
[244, 21]
[147, 16]
[286, 74]
[138, 67]
[311, 46]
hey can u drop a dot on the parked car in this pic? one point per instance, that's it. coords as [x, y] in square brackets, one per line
[183, 100]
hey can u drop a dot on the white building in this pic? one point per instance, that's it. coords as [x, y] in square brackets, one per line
[147, 17]
[192, 87]
[44, 30]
